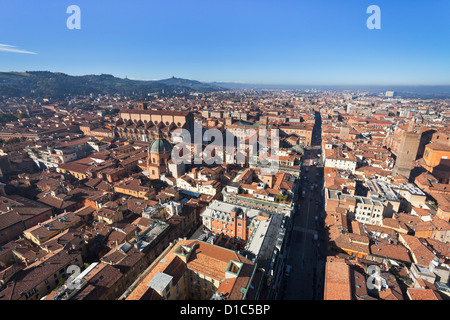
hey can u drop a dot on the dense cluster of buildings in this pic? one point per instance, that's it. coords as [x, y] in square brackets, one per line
[386, 183]
[103, 194]
[91, 185]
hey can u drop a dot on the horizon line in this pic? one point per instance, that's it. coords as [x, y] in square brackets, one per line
[240, 82]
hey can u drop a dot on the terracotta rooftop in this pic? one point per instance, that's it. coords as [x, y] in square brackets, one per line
[205, 258]
[337, 280]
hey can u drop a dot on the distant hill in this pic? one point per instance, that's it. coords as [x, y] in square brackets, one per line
[45, 84]
[196, 85]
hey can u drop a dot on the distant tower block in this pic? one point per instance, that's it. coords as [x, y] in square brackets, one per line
[407, 150]
[142, 105]
[389, 94]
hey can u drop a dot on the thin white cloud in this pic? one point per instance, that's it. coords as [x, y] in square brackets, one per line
[10, 48]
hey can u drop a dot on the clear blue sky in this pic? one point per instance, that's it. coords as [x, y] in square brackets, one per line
[256, 41]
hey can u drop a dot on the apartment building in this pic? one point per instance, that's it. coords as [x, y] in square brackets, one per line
[410, 196]
[188, 183]
[274, 193]
[343, 160]
[383, 191]
[302, 131]
[134, 187]
[18, 214]
[232, 220]
[362, 209]
[50, 228]
[99, 281]
[196, 270]
[41, 277]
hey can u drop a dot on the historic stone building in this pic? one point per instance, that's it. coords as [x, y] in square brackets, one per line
[142, 124]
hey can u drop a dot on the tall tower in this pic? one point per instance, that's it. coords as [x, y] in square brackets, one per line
[240, 221]
[407, 149]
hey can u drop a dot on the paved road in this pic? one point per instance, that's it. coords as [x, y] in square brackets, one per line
[306, 255]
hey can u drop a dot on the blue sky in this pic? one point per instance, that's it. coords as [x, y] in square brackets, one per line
[313, 42]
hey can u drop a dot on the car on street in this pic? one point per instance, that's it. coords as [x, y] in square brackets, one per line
[288, 270]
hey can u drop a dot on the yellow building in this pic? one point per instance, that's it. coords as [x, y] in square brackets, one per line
[52, 227]
[133, 187]
[77, 170]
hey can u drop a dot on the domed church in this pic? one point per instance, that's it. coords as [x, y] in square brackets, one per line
[159, 152]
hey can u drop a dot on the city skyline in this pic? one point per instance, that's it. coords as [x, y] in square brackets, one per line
[293, 43]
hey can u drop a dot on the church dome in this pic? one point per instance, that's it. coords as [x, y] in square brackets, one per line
[160, 146]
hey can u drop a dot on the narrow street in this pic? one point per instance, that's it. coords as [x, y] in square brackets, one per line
[306, 254]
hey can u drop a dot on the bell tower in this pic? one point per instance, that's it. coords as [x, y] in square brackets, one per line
[158, 155]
